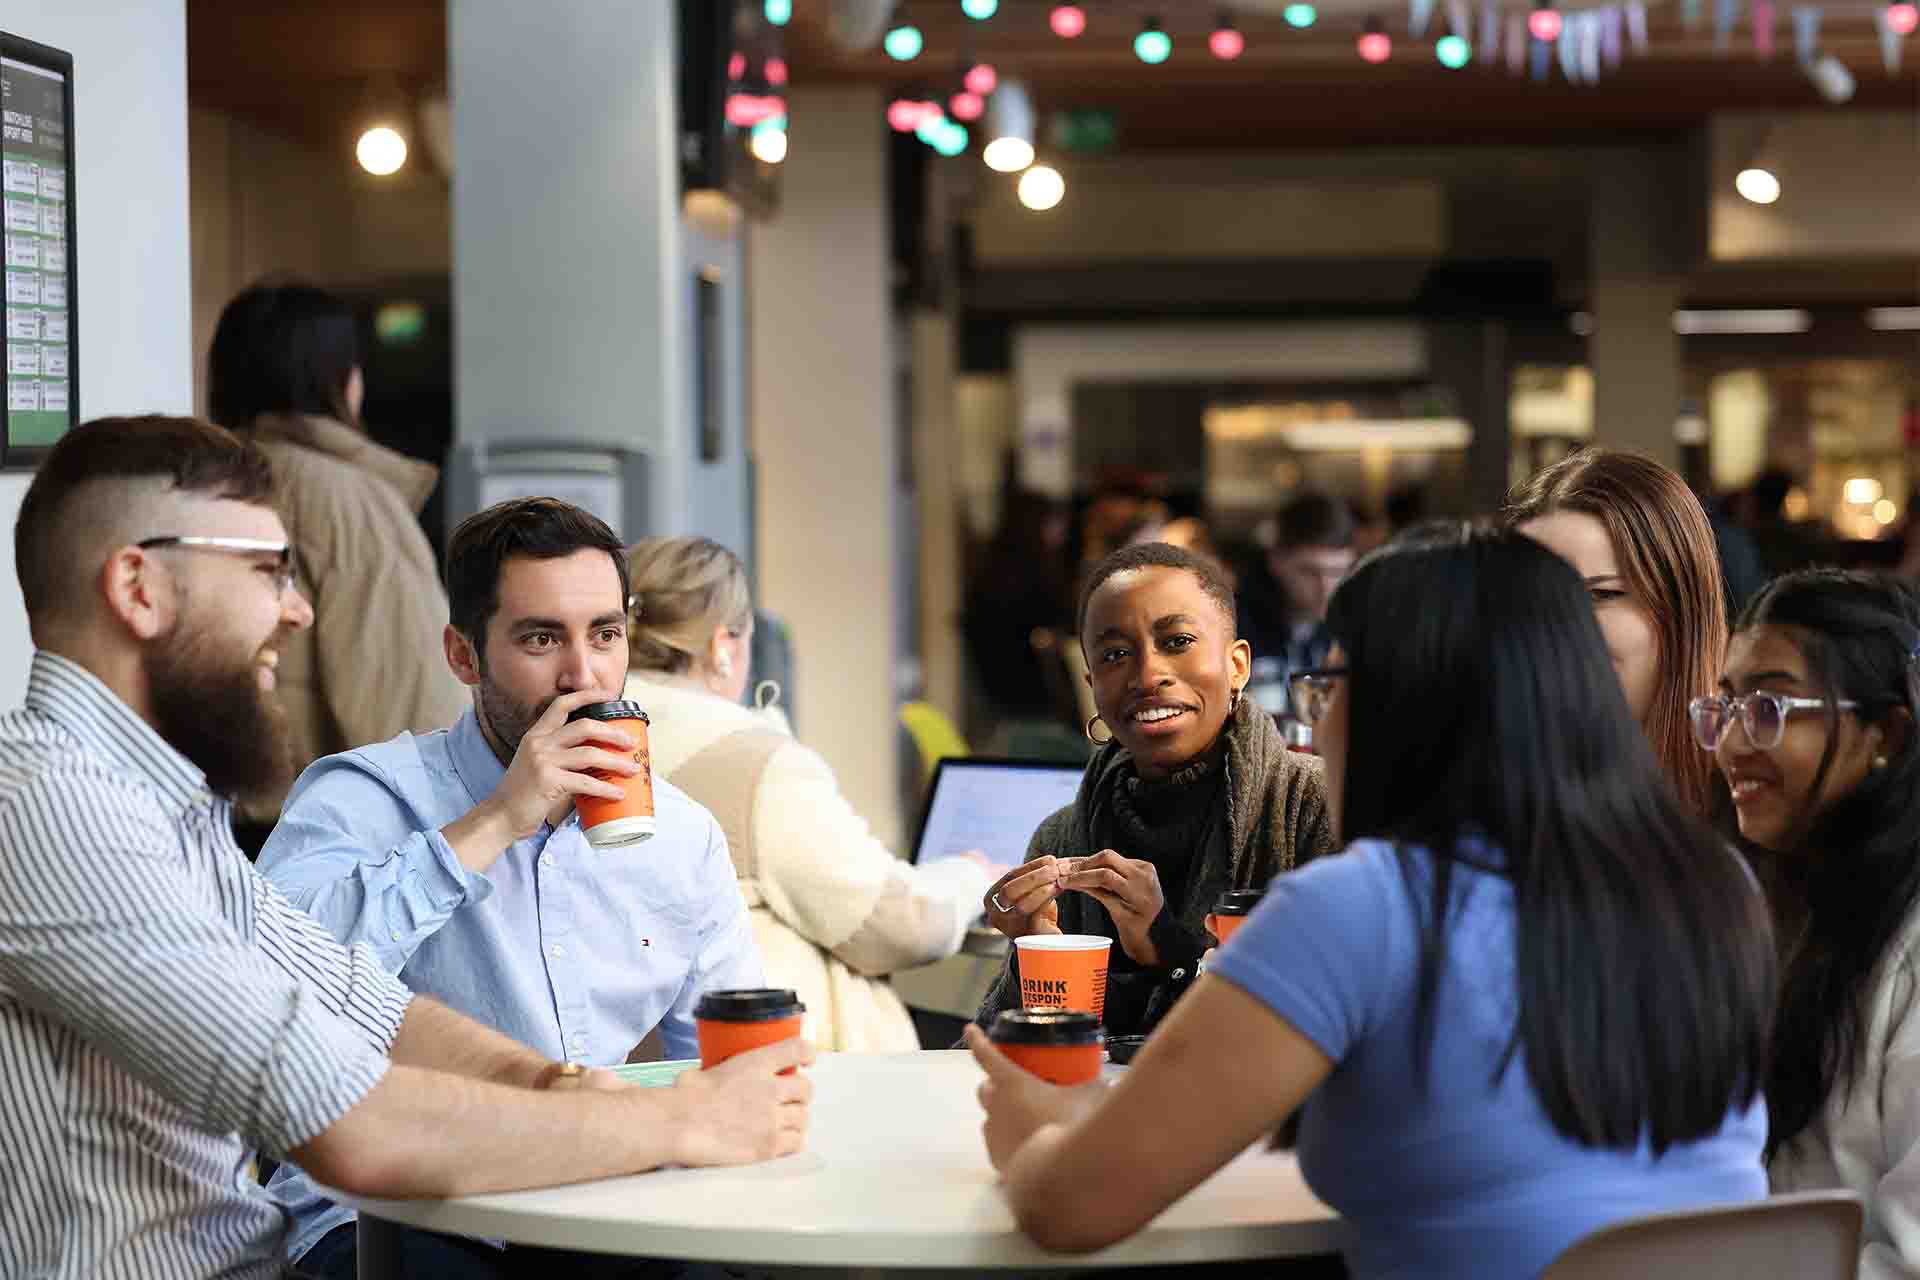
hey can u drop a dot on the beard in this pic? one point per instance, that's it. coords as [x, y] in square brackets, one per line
[209, 706]
[504, 718]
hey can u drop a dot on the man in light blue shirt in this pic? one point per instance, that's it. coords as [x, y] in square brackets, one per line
[457, 857]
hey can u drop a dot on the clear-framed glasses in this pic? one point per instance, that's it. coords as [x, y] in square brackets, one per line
[284, 576]
[1311, 692]
[1763, 715]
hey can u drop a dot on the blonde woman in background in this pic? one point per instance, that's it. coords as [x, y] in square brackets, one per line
[833, 910]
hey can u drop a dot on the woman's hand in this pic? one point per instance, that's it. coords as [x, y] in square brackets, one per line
[1130, 891]
[1018, 1103]
[1023, 901]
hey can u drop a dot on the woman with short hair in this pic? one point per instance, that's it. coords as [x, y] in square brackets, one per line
[1192, 792]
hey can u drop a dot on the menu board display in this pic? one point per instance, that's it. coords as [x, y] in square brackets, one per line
[36, 182]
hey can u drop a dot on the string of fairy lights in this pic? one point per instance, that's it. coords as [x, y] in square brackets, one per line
[1583, 44]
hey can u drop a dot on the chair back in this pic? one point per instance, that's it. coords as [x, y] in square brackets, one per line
[934, 735]
[1806, 1235]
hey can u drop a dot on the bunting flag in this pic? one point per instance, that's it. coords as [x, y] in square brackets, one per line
[1489, 49]
[1806, 33]
[1541, 61]
[1590, 23]
[1569, 47]
[1460, 19]
[1610, 24]
[1889, 41]
[1517, 45]
[1637, 26]
[1725, 14]
[1420, 13]
[1690, 12]
[1763, 28]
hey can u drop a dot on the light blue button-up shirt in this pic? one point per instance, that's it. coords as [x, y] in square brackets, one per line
[576, 951]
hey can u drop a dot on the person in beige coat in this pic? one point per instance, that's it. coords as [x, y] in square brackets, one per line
[283, 371]
[833, 910]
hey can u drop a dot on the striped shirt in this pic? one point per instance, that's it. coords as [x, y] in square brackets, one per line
[162, 1008]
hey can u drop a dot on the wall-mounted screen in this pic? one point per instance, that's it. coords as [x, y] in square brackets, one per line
[36, 161]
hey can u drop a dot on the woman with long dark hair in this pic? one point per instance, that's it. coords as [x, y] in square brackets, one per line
[1530, 999]
[1813, 728]
[1634, 531]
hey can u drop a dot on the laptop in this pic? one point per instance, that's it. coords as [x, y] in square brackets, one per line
[993, 805]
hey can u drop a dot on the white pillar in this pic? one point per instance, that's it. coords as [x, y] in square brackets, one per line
[824, 419]
[1635, 284]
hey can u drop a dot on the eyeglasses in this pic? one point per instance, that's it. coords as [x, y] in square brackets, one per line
[1763, 715]
[284, 576]
[1311, 691]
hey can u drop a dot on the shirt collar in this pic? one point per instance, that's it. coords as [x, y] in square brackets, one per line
[81, 703]
[473, 758]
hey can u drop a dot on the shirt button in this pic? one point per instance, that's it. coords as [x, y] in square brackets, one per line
[556, 951]
[396, 935]
[546, 860]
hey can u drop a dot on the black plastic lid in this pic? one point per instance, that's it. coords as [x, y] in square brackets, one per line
[751, 1004]
[1046, 1026]
[609, 711]
[1238, 902]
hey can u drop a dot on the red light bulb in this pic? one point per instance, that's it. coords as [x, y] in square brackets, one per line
[966, 106]
[1227, 44]
[736, 66]
[1376, 47]
[776, 71]
[905, 115]
[1545, 25]
[744, 110]
[1903, 18]
[981, 79]
[1067, 20]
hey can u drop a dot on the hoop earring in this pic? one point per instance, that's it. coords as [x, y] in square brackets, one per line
[1879, 763]
[1098, 742]
[766, 694]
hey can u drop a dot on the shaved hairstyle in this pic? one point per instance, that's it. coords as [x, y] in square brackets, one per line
[113, 481]
[1159, 555]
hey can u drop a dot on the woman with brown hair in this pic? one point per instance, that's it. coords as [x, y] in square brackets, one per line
[1641, 541]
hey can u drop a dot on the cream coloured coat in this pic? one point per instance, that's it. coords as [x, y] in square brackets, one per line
[1866, 1138]
[833, 910]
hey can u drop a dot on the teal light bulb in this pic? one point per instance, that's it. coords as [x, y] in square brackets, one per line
[979, 10]
[1453, 51]
[1300, 15]
[779, 12]
[1153, 46]
[950, 139]
[903, 44]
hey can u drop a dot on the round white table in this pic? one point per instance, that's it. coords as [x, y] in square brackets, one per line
[894, 1175]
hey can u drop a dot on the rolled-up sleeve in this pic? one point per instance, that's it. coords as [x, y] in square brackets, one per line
[119, 948]
[349, 852]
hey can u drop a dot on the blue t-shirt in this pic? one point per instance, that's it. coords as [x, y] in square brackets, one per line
[1462, 1177]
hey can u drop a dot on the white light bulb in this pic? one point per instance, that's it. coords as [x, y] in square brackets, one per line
[1757, 185]
[1008, 155]
[381, 150]
[770, 145]
[1041, 188]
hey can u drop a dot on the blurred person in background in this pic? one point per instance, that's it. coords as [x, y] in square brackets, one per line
[833, 910]
[1640, 540]
[1283, 595]
[283, 371]
[1813, 726]
[1020, 587]
[1431, 996]
[1786, 538]
[1192, 792]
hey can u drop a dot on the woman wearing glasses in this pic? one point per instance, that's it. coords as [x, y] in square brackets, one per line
[1813, 728]
[1191, 793]
[1529, 1000]
[1640, 539]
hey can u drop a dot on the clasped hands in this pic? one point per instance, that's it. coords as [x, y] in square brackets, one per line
[1026, 899]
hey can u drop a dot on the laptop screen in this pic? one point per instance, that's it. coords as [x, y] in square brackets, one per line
[991, 805]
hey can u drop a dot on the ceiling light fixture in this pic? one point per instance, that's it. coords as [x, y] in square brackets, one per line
[1375, 45]
[381, 150]
[1758, 185]
[1067, 21]
[1226, 42]
[903, 43]
[1545, 22]
[1041, 188]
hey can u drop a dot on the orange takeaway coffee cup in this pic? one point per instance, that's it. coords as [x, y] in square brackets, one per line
[610, 823]
[730, 1022]
[1061, 1046]
[1231, 911]
[1064, 971]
